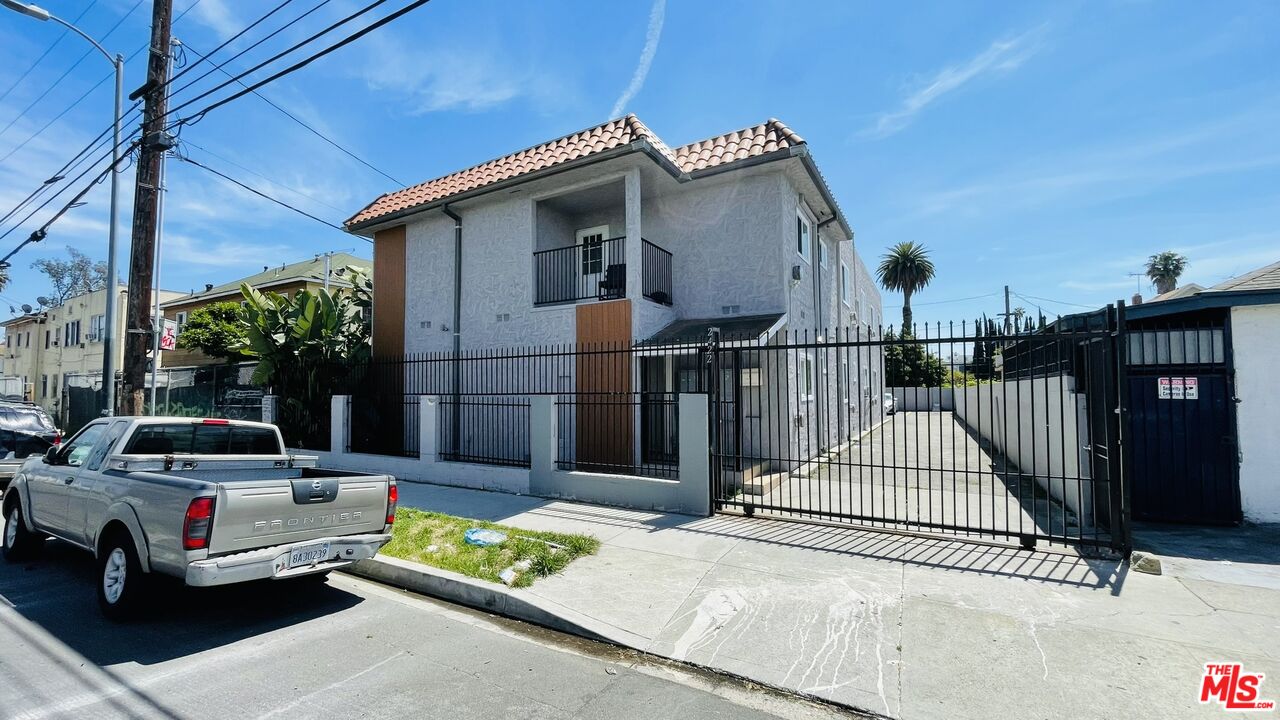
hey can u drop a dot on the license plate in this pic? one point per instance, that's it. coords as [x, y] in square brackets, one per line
[308, 554]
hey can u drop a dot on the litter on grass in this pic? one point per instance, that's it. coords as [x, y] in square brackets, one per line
[483, 537]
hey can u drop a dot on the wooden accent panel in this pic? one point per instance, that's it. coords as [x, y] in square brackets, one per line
[388, 292]
[606, 417]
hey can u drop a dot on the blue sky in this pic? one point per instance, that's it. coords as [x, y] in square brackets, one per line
[1047, 146]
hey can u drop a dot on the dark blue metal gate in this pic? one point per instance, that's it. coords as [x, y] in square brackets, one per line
[1182, 445]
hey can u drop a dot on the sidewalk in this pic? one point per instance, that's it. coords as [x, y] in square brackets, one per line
[902, 626]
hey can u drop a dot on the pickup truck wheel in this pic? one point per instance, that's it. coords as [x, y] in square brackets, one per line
[120, 578]
[19, 542]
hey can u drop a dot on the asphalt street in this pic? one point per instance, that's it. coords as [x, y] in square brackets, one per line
[344, 649]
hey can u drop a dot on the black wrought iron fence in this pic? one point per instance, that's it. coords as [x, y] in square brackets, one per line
[597, 432]
[493, 430]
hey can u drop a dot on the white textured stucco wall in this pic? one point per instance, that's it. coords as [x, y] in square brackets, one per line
[1041, 426]
[1255, 338]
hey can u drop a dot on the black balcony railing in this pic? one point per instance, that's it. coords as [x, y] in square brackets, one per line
[598, 271]
[591, 270]
[656, 277]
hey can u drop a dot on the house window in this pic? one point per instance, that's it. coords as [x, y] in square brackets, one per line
[802, 235]
[44, 386]
[592, 255]
[97, 328]
[806, 378]
[181, 318]
[846, 292]
[822, 252]
[46, 339]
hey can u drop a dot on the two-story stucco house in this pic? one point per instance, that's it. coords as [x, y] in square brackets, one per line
[609, 235]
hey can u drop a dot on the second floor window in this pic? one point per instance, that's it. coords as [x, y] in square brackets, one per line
[97, 327]
[846, 292]
[802, 235]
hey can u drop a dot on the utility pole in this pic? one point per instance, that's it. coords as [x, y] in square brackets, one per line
[138, 324]
[1008, 314]
[157, 320]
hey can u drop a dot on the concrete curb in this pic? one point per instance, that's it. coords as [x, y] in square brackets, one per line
[493, 598]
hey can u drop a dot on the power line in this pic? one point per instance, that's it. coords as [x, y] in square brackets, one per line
[1058, 302]
[60, 174]
[256, 191]
[42, 232]
[46, 52]
[237, 36]
[252, 46]
[314, 131]
[38, 235]
[944, 302]
[270, 60]
[87, 93]
[273, 181]
[67, 72]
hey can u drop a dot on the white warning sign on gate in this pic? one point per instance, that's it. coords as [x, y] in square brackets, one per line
[1178, 388]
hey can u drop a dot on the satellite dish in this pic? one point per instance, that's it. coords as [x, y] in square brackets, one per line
[26, 308]
[43, 300]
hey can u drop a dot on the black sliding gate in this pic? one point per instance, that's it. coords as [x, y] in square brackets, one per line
[969, 431]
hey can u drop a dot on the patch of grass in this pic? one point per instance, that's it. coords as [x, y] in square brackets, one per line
[437, 539]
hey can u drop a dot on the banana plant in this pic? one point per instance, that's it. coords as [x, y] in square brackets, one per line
[309, 347]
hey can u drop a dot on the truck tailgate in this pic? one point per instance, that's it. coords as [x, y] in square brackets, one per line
[256, 514]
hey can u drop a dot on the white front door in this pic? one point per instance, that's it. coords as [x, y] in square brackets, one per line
[593, 257]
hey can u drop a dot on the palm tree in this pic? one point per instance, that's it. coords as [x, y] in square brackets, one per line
[1164, 269]
[907, 268]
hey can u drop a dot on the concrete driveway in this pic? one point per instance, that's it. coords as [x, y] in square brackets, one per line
[923, 469]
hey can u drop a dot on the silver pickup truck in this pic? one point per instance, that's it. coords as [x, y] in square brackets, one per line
[209, 501]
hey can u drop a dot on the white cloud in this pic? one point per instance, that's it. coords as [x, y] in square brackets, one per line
[656, 17]
[1000, 56]
[180, 248]
[218, 17]
[435, 78]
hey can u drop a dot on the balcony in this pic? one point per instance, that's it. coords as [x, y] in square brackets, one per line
[596, 269]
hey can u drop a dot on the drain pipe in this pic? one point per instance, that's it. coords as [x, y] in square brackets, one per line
[820, 325]
[455, 430]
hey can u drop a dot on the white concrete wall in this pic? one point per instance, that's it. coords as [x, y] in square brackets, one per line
[1041, 426]
[1255, 339]
[921, 398]
[690, 493]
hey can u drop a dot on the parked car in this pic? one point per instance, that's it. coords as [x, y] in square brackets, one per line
[25, 430]
[889, 403]
[209, 501]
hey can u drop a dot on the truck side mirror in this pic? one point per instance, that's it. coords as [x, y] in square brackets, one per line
[51, 456]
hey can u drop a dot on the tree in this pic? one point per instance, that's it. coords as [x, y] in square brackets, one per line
[1164, 269]
[906, 268]
[4, 277]
[76, 276]
[910, 365]
[216, 330]
[307, 347]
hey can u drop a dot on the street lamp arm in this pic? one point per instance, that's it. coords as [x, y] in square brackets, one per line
[39, 13]
[110, 58]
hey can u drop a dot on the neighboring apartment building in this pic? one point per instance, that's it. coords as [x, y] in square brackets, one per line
[284, 279]
[43, 348]
[608, 235]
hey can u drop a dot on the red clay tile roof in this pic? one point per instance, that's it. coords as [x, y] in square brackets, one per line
[721, 150]
[738, 145]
